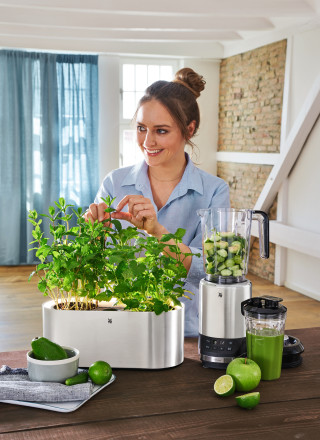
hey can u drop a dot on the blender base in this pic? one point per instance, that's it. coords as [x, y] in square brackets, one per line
[219, 352]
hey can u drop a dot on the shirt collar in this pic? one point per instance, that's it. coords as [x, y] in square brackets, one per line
[191, 179]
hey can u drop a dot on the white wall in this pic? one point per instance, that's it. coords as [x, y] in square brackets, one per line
[303, 271]
[207, 138]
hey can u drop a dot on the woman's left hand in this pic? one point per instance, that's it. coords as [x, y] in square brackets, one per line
[141, 213]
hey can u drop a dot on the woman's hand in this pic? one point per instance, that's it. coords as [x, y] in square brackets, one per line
[141, 214]
[96, 211]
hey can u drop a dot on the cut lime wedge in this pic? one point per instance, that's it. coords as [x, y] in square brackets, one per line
[249, 400]
[224, 385]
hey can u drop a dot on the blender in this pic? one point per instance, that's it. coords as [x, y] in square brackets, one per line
[226, 236]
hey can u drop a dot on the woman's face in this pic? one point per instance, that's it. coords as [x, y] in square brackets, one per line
[158, 135]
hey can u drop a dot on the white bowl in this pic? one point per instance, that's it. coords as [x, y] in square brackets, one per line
[53, 371]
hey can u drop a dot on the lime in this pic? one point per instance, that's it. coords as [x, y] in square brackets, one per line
[249, 400]
[100, 372]
[224, 385]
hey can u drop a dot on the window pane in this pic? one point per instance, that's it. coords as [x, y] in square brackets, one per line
[129, 105]
[141, 77]
[131, 153]
[153, 74]
[128, 77]
[139, 95]
[166, 73]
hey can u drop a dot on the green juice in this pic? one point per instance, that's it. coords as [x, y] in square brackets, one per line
[266, 349]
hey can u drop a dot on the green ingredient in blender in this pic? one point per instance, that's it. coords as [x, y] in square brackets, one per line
[226, 252]
[235, 267]
[237, 259]
[222, 252]
[229, 262]
[227, 234]
[46, 350]
[237, 273]
[208, 245]
[233, 249]
[226, 272]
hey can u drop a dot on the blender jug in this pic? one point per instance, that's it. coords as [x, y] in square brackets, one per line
[265, 321]
[226, 242]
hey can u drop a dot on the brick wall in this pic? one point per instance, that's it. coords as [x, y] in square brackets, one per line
[250, 106]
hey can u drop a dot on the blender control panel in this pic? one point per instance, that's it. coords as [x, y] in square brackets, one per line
[218, 352]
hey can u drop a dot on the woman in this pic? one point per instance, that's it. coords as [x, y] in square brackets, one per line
[164, 192]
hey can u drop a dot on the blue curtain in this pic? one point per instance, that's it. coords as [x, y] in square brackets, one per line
[48, 140]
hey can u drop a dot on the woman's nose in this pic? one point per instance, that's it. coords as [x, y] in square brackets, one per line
[149, 139]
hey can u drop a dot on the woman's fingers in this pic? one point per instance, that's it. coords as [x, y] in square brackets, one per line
[141, 212]
[96, 211]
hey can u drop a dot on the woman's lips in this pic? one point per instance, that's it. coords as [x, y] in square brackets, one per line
[153, 152]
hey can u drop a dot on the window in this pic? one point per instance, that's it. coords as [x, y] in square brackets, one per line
[136, 77]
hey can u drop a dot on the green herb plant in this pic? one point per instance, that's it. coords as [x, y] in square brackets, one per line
[87, 263]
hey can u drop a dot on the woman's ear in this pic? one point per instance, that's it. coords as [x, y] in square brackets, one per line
[191, 128]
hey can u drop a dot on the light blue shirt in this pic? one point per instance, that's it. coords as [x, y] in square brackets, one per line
[196, 190]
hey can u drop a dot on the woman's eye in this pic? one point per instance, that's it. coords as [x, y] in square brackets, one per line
[162, 131]
[140, 128]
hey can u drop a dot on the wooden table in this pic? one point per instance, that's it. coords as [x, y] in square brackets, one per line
[179, 403]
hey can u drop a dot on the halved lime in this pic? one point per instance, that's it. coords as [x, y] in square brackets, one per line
[224, 385]
[249, 400]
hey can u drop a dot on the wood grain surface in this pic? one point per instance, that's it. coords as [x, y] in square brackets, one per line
[179, 403]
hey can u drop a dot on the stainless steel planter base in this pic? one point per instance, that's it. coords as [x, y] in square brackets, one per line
[123, 339]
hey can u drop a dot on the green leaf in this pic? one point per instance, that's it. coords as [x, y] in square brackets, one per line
[180, 233]
[42, 285]
[117, 224]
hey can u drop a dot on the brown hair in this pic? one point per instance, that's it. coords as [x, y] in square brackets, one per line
[179, 97]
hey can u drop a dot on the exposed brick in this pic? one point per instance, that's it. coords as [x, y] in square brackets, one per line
[251, 93]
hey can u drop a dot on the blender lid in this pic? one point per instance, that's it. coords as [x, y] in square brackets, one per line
[263, 307]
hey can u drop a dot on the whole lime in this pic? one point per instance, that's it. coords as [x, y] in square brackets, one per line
[100, 372]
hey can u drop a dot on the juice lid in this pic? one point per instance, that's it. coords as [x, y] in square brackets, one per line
[263, 307]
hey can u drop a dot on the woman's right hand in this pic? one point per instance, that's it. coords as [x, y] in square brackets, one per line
[96, 211]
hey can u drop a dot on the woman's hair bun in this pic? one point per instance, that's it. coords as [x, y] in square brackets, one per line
[190, 79]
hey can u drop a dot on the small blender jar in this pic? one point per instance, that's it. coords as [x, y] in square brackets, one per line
[265, 321]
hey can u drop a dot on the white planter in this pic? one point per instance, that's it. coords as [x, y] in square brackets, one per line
[124, 339]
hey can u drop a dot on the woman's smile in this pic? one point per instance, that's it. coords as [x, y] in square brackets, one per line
[152, 152]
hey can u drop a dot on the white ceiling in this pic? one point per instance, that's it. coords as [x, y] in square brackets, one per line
[202, 28]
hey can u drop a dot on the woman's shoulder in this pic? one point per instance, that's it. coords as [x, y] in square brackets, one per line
[208, 178]
[125, 173]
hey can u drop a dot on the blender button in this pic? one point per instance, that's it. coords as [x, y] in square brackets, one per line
[207, 347]
[215, 342]
[229, 348]
[230, 342]
[221, 342]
